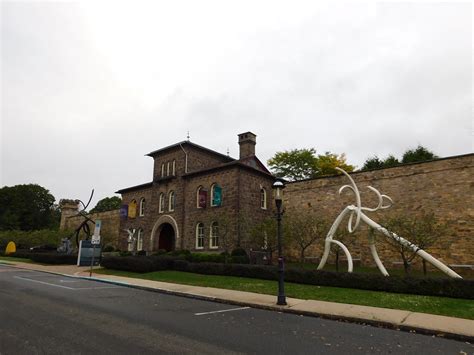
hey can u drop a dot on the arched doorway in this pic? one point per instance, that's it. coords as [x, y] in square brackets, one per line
[166, 238]
[165, 234]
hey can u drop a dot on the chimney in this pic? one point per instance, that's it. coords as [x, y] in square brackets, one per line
[247, 143]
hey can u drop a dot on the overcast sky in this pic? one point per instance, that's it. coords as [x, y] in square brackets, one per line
[89, 87]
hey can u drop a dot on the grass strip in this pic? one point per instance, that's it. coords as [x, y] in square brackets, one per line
[12, 260]
[452, 307]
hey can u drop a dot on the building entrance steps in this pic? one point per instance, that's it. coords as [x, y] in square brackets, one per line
[457, 328]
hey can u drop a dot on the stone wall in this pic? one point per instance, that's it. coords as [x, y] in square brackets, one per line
[109, 230]
[444, 187]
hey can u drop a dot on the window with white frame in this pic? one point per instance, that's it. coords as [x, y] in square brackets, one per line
[140, 240]
[161, 204]
[171, 201]
[142, 207]
[214, 239]
[200, 236]
[263, 198]
[174, 168]
[162, 169]
[216, 195]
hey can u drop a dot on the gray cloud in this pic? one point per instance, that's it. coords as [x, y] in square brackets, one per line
[85, 94]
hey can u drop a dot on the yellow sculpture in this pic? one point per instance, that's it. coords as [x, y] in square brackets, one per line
[11, 248]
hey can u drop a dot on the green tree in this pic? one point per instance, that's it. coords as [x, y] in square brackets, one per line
[27, 207]
[296, 164]
[107, 204]
[299, 164]
[372, 163]
[418, 154]
[390, 162]
[327, 163]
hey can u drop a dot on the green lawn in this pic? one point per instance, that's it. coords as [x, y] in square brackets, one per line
[453, 307]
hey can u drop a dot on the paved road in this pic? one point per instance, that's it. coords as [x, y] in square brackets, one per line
[47, 314]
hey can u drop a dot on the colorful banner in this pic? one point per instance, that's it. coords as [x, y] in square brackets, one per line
[132, 209]
[217, 196]
[202, 198]
[124, 211]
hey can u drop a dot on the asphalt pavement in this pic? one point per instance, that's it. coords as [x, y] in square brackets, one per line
[43, 313]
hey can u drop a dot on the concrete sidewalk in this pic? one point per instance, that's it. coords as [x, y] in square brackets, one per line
[457, 328]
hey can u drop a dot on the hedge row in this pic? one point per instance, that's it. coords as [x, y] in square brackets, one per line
[28, 239]
[447, 287]
[46, 257]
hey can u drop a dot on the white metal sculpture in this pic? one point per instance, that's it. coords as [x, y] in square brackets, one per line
[356, 211]
[131, 238]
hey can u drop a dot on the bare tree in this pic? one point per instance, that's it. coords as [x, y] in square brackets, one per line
[423, 231]
[264, 236]
[304, 228]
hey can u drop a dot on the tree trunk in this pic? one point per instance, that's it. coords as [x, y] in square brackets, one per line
[337, 260]
[406, 266]
[424, 267]
[302, 256]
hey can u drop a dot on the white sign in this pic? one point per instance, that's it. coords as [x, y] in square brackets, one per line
[98, 224]
[95, 239]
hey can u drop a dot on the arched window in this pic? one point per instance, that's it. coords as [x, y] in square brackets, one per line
[161, 204]
[214, 240]
[168, 169]
[216, 195]
[132, 209]
[140, 240]
[171, 201]
[201, 197]
[142, 207]
[200, 236]
[162, 169]
[263, 198]
[174, 168]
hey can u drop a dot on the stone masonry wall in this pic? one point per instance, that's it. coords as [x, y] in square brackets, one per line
[444, 187]
[109, 231]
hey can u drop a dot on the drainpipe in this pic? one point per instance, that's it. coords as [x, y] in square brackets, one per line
[185, 160]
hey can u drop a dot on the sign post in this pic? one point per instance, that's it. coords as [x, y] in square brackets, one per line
[95, 240]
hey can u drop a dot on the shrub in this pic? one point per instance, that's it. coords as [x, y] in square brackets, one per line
[108, 249]
[28, 239]
[54, 258]
[46, 257]
[128, 263]
[141, 253]
[238, 252]
[206, 258]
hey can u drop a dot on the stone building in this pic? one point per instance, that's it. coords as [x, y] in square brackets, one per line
[197, 199]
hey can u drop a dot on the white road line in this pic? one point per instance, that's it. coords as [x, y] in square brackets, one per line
[69, 281]
[221, 311]
[42, 282]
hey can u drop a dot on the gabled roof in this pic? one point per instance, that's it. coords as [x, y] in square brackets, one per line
[136, 187]
[251, 164]
[190, 144]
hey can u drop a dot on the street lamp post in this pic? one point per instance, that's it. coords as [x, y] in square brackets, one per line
[278, 187]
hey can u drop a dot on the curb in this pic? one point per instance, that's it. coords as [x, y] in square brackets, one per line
[362, 321]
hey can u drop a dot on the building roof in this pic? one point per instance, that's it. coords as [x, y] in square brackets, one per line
[191, 144]
[136, 187]
[250, 163]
